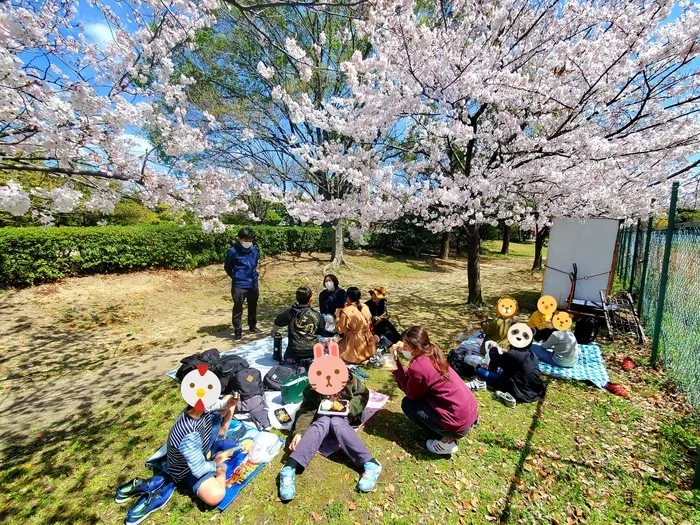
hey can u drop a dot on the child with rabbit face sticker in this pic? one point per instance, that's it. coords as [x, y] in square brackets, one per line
[332, 399]
[328, 374]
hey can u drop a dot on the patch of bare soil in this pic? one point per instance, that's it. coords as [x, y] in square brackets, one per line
[78, 344]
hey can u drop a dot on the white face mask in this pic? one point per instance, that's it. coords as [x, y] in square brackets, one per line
[407, 354]
[330, 286]
[246, 244]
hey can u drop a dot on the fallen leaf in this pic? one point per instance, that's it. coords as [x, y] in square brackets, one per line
[352, 506]
[391, 488]
[316, 517]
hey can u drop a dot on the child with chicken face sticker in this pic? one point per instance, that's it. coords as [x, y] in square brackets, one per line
[547, 305]
[507, 307]
[328, 374]
[200, 388]
[562, 321]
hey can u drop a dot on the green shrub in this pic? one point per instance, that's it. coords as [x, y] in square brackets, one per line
[34, 255]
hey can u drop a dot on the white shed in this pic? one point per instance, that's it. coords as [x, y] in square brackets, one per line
[586, 248]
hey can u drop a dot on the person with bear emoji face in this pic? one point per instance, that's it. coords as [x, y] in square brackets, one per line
[496, 329]
[560, 348]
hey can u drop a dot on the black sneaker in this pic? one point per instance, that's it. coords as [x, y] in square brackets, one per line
[237, 336]
[254, 330]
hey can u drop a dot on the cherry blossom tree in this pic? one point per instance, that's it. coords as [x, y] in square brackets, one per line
[237, 64]
[590, 105]
[83, 110]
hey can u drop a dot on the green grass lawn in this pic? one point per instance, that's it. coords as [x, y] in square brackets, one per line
[581, 455]
[515, 249]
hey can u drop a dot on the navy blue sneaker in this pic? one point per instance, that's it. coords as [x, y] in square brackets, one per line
[149, 503]
[138, 486]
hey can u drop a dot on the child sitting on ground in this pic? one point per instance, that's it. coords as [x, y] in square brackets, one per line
[329, 384]
[514, 373]
[561, 348]
[496, 329]
[198, 432]
[541, 320]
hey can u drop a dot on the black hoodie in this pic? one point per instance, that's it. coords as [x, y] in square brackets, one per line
[303, 324]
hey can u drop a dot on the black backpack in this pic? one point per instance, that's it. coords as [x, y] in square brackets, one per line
[224, 366]
[210, 357]
[274, 377]
[456, 360]
[586, 330]
[248, 383]
[227, 369]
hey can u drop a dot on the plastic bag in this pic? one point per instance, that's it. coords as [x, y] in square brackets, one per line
[330, 322]
[265, 447]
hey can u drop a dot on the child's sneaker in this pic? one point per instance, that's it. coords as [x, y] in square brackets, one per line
[476, 384]
[372, 469]
[506, 398]
[376, 361]
[138, 486]
[437, 446]
[287, 478]
[149, 503]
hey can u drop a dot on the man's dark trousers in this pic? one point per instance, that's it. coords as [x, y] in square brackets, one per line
[240, 295]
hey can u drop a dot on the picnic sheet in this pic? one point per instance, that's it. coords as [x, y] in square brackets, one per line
[259, 355]
[589, 367]
[239, 471]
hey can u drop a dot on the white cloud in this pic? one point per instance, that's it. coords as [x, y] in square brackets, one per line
[99, 33]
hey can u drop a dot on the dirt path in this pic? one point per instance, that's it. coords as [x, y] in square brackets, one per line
[73, 347]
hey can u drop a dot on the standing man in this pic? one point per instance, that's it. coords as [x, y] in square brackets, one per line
[242, 267]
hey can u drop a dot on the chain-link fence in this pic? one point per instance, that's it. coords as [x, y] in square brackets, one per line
[678, 343]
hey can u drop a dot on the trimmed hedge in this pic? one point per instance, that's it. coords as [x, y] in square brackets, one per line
[34, 255]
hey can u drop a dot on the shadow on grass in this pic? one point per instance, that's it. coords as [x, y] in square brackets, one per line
[526, 450]
[74, 454]
[397, 428]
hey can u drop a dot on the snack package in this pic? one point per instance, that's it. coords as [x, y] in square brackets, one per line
[389, 363]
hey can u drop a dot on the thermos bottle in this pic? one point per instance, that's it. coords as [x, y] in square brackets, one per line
[277, 347]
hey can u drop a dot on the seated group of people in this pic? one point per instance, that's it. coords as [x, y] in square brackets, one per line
[512, 352]
[357, 327]
[436, 398]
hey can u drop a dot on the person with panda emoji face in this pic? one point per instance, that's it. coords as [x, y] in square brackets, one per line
[512, 372]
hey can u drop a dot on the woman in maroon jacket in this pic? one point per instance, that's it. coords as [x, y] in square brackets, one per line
[436, 397]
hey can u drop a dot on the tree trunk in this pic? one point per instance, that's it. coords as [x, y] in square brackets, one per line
[337, 255]
[506, 238]
[445, 246]
[473, 265]
[540, 237]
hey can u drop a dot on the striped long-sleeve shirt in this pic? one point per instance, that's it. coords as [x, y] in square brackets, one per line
[189, 442]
